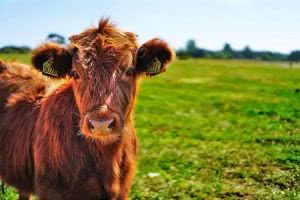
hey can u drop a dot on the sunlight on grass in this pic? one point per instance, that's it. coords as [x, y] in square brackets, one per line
[217, 129]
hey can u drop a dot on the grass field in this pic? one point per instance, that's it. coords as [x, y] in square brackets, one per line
[216, 129]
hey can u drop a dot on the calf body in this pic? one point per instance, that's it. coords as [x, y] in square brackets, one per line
[71, 136]
[42, 151]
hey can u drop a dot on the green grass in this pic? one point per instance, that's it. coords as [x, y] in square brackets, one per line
[219, 129]
[25, 58]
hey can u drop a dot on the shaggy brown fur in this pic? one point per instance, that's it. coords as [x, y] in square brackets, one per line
[51, 143]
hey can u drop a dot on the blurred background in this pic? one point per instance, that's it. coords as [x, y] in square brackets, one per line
[223, 121]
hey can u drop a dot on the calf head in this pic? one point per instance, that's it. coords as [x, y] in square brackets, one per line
[103, 65]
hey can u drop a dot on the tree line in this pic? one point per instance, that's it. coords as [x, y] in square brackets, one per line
[192, 51]
[14, 49]
[52, 37]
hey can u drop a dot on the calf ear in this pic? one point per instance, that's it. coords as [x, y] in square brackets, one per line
[52, 60]
[153, 57]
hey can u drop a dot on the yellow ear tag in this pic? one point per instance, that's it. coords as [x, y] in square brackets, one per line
[48, 68]
[154, 67]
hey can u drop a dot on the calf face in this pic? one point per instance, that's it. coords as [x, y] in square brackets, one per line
[103, 65]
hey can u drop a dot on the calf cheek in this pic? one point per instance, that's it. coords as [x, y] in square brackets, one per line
[125, 94]
[81, 96]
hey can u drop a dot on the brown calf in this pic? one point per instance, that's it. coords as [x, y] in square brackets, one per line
[71, 136]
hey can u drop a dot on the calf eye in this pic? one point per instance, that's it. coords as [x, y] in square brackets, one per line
[74, 74]
[129, 72]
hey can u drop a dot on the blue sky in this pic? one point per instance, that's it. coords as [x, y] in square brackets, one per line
[262, 24]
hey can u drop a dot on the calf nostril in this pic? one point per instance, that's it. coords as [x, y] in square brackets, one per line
[90, 125]
[112, 124]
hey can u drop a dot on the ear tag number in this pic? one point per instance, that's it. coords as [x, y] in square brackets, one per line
[154, 67]
[48, 68]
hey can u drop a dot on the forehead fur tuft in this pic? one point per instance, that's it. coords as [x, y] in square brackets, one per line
[104, 25]
[110, 34]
